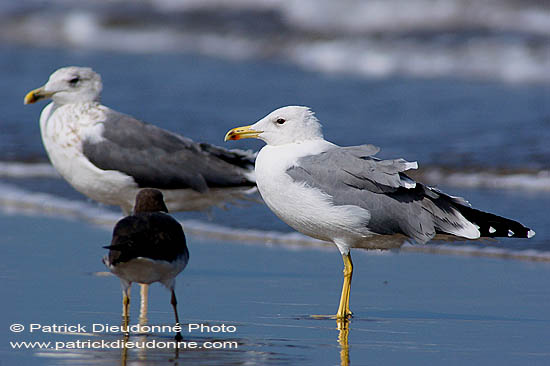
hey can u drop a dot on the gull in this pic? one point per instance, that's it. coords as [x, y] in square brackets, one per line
[347, 196]
[109, 156]
[148, 246]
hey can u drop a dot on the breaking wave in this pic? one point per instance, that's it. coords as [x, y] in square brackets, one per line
[531, 181]
[497, 40]
[27, 170]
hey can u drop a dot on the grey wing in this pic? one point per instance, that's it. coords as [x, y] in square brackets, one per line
[353, 176]
[157, 158]
[355, 167]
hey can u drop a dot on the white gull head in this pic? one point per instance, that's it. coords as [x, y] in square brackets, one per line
[69, 85]
[288, 125]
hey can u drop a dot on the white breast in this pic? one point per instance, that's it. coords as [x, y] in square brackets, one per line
[63, 129]
[304, 208]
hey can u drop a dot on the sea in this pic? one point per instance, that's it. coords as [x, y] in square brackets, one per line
[461, 87]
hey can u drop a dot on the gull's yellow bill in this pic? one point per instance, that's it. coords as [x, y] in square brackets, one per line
[244, 132]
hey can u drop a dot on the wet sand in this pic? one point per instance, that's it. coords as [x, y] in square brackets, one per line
[409, 308]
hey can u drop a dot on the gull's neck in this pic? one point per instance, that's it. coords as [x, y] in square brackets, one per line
[280, 157]
[306, 147]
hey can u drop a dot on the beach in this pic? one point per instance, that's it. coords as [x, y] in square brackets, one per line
[413, 308]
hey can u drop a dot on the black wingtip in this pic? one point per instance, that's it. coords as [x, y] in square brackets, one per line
[505, 230]
[494, 226]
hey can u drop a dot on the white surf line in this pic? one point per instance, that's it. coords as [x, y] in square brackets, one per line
[17, 201]
[10, 169]
[529, 181]
[474, 251]
[14, 200]
[535, 181]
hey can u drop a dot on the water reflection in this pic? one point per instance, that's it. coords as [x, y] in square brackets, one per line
[153, 349]
[142, 350]
[124, 351]
[343, 333]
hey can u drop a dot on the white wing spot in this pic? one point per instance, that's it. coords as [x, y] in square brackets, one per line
[492, 230]
[510, 233]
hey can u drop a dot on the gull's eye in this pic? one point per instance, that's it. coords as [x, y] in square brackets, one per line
[74, 81]
[280, 121]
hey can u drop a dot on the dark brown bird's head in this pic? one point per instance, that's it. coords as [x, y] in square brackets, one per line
[150, 200]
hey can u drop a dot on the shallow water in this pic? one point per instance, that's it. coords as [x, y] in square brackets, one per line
[411, 308]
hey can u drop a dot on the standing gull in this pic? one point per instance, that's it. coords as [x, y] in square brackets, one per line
[148, 246]
[347, 196]
[108, 156]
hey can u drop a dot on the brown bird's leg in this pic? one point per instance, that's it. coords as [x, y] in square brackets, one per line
[174, 303]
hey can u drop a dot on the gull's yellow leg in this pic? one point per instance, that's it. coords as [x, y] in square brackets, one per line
[144, 301]
[349, 265]
[343, 310]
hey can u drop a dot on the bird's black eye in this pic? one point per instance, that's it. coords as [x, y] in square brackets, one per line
[280, 121]
[74, 81]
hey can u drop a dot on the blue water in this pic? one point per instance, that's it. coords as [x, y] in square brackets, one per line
[444, 121]
[409, 308]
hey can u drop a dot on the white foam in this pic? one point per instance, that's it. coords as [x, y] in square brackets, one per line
[535, 181]
[27, 170]
[479, 58]
[80, 26]
[15, 200]
[360, 17]
[376, 38]
[471, 250]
